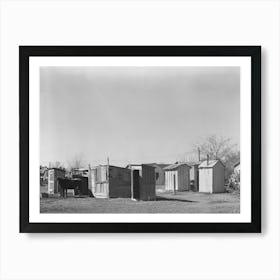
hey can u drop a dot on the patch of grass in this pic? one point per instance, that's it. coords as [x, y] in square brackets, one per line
[181, 202]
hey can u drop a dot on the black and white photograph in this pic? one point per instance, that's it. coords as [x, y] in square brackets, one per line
[140, 140]
[142, 136]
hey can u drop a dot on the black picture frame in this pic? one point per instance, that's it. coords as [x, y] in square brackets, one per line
[25, 52]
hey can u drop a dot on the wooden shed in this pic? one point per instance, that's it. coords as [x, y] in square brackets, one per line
[108, 181]
[53, 183]
[143, 182]
[177, 177]
[211, 176]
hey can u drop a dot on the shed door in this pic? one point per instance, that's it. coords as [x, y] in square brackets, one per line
[206, 180]
[136, 185]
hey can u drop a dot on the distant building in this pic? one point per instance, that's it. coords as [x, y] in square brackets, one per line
[143, 181]
[159, 175]
[211, 176]
[177, 177]
[194, 176]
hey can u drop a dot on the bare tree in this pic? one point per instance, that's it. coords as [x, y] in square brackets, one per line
[76, 162]
[56, 164]
[218, 147]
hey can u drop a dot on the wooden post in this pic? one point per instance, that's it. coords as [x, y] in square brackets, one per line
[131, 185]
[107, 170]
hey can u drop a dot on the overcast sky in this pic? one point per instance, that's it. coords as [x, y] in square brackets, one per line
[134, 114]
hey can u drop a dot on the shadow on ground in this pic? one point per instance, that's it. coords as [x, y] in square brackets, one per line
[161, 198]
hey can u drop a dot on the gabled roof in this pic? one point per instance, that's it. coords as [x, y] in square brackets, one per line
[175, 166]
[209, 164]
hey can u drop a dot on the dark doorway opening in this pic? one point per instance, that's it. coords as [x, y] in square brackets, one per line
[135, 185]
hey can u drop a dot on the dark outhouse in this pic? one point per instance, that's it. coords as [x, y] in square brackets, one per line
[143, 181]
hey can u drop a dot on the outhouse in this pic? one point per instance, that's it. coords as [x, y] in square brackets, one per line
[211, 176]
[177, 177]
[53, 182]
[108, 181]
[143, 181]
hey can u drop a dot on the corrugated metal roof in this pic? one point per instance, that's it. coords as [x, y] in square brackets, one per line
[209, 163]
[175, 166]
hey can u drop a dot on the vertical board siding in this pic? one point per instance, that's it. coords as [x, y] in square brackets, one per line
[182, 179]
[219, 178]
[51, 181]
[206, 180]
[53, 184]
[100, 184]
[212, 179]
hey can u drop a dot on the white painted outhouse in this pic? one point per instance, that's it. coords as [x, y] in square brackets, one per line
[211, 176]
[177, 177]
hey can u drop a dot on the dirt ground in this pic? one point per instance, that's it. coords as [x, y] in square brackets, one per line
[181, 202]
